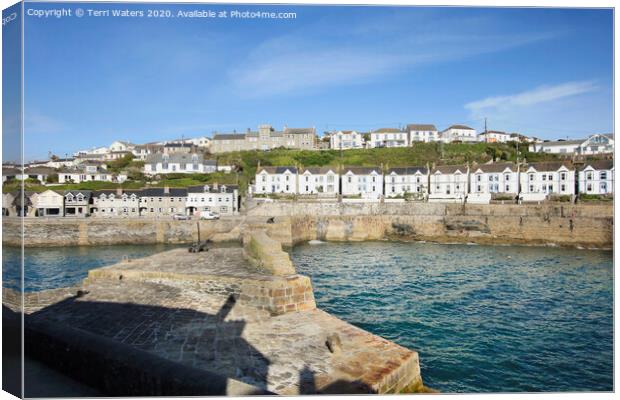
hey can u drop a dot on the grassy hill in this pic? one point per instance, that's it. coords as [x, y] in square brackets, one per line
[247, 162]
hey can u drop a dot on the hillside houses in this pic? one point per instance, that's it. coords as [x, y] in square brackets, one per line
[458, 133]
[345, 140]
[388, 137]
[266, 138]
[178, 163]
[221, 199]
[422, 133]
[594, 144]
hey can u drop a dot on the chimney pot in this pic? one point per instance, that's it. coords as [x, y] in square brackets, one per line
[166, 190]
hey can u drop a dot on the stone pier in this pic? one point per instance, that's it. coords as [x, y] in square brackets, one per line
[220, 313]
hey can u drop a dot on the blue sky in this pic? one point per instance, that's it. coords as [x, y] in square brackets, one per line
[89, 81]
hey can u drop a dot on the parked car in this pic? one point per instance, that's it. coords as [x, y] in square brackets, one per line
[181, 217]
[208, 215]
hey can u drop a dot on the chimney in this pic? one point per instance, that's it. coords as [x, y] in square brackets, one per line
[166, 190]
[119, 191]
[215, 187]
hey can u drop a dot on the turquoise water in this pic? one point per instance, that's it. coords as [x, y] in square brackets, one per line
[49, 268]
[483, 318]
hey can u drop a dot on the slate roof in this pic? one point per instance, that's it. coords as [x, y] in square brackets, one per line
[599, 164]
[40, 170]
[319, 170]
[229, 136]
[361, 170]
[564, 142]
[459, 127]
[86, 193]
[494, 167]
[421, 127]
[201, 189]
[299, 131]
[10, 171]
[387, 130]
[160, 192]
[450, 169]
[407, 170]
[277, 170]
[548, 166]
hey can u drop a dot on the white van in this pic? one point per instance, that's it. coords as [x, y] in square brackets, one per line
[208, 215]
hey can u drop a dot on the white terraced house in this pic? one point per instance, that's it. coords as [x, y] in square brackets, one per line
[276, 180]
[366, 182]
[422, 133]
[319, 180]
[178, 163]
[539, 180]
[458, 133]
[449, 183]
[388, 137]
[597, 177]
[77, 203]
[494, 137]
[488, 180]
[220, 199]
[344, 140]
[406, 180]
[116, 203]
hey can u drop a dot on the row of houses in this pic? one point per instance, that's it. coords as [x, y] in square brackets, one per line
[594, 144]
[148, 202]
[477, 183]
[89, 171]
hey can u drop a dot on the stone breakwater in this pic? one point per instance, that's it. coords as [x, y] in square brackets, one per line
[215, 315]
[588, 226]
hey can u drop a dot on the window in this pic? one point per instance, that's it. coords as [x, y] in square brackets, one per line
[531, 177]
[563, 188]
[563, 176]
[479, 177]
[508, 188]
[531, 188]
[544, 177]
[349, 179]
[603, 175]
[589, 187]
[589, 176]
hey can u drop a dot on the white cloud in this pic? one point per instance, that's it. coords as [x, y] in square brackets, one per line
[301, 61]
[534, 97]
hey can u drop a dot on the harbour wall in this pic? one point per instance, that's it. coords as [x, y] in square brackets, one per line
[582, 225]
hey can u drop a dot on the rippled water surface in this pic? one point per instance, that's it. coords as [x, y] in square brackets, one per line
[49, 268]
[483, 318]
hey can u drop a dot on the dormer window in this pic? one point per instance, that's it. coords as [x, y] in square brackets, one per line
[79, 197]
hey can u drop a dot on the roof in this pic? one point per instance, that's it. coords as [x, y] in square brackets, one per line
[494, 132]
[494, 167]
[319, 170]
[299, 131]
[387, 130]
[361, 170]
[40, 170]
[9, 171]
[564, 142]
[161, 192]
[407, 170]
[85, 193]
[450, 169]
[599, 164]
[548, 166]
[212, 188]
[421, 127]
[97, 193]
[276, 170]
[229, 136]
[460, 127]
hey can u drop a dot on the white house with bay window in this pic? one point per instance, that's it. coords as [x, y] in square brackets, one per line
[458, 133]
[406, 180]
[488, 180]
[539, 180]
[366, 182]
[448, 183]
[346, 140]
[178, 163]
[389, 137]
[319, 180]
[597, 177]
[275, 180]
[422, 133]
